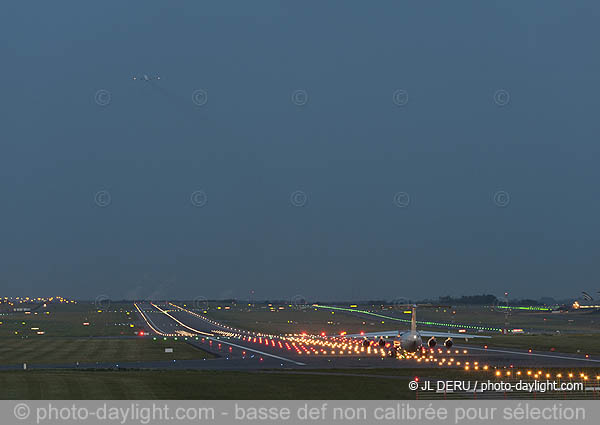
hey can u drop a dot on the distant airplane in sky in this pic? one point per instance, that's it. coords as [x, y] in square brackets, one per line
[587, 296]
[145, 77]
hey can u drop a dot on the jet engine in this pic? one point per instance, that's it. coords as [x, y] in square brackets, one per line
[448, 343]
[431, 343]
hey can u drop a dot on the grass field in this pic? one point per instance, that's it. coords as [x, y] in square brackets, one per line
[296, 321]
[528, 320]
[357, 384]
[111, 385]
[311, 320]
[89, 350]
[68, 320]
[579, 331]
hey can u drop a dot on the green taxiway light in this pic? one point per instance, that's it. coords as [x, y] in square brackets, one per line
[524, 308]
[353, 310]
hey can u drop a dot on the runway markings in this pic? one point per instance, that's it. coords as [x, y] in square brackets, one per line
[180, 322]
[314, 345]
[150, 323]
[210, 338]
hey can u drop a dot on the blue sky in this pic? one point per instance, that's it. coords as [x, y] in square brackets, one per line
[482, 115]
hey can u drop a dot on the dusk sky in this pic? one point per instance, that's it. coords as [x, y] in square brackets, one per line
[332, 150]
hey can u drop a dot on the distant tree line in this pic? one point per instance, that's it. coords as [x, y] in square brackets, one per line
[470, 299]
[525, 302]
[487, 299]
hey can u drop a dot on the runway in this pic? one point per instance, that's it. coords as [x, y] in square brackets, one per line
[244, 350]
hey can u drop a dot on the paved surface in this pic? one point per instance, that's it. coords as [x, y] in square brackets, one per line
[248, 351]
[238, 349]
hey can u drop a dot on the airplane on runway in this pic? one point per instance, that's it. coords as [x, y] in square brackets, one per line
[145, 77]
[411, 340]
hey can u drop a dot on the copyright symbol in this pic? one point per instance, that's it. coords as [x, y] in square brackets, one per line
[299, 97]
[501, 97]
[501, 198]
[200, 97]
[102, 97]
[198, 198]
[298, 198]
[22, 411]
[102, 302]
[102, 198]
[401, 199]
[413, 385]
[201, 303]
[400, 97]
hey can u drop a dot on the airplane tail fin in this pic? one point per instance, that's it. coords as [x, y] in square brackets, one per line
[413, 319]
